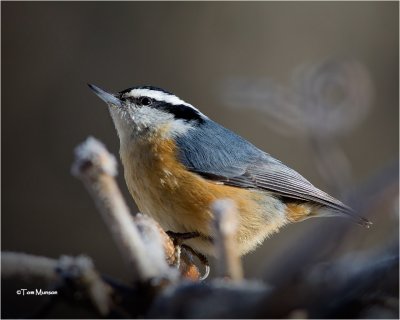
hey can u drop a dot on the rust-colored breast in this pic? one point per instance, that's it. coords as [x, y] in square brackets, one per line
[180, 200]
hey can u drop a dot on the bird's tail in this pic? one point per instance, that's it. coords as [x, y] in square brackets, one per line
[347, 213]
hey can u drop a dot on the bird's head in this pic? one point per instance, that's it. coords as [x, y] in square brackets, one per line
[147, 110]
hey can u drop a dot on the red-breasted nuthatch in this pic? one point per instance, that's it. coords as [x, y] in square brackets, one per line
[177, 162]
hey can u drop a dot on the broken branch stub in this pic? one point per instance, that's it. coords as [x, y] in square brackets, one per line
[225, 228]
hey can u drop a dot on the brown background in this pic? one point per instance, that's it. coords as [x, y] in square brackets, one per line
[51, 50]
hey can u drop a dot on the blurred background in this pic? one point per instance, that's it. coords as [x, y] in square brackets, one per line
[315, 84]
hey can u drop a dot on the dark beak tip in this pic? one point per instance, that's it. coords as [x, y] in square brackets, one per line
[107, 97]
[93, 87]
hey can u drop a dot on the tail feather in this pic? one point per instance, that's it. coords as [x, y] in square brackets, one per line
[347, 213]
[301, 210]
[358, 219]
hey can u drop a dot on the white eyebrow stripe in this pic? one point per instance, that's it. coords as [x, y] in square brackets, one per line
[161, 96]
[158, 95]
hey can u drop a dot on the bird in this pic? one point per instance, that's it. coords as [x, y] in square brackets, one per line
[177, 162]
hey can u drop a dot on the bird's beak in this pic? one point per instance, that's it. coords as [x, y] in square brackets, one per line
[108, 98]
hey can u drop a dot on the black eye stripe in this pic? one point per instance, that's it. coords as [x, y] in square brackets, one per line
[180, 111]
[143, 101]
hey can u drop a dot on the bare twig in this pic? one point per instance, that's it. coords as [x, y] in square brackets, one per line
[225, 226]
[22, 265]
[144, 224]
[160, 248]
[96, 167]
[347, 288]
[80, 270]
[215, 299]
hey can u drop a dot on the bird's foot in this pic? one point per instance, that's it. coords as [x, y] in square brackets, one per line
[202, 258]
[178, 239]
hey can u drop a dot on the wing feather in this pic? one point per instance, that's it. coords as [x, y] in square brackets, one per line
[218, 154]
[287, 183]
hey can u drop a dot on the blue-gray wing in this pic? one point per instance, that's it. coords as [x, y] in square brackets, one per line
[218, 154]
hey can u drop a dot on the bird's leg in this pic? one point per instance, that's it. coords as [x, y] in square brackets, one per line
[178, 239]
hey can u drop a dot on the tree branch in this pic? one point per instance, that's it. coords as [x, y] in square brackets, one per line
[96, 167]
[225, 227]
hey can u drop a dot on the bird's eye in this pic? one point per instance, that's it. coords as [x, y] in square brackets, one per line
[145, 101]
